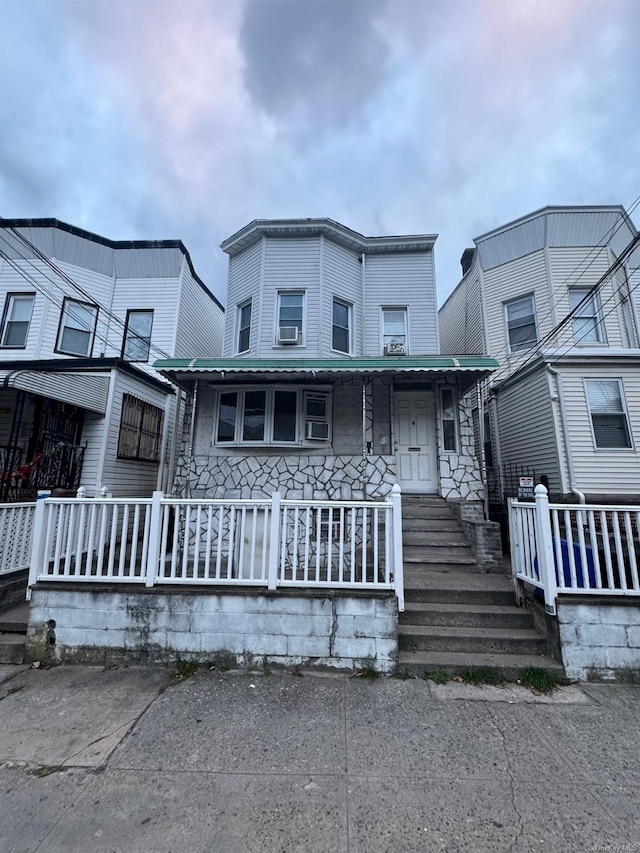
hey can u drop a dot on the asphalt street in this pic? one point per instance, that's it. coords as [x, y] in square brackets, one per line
[129, 761]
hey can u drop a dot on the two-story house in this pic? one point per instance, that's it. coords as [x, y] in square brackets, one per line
[83, 318]
[330, 384]
[550, 296]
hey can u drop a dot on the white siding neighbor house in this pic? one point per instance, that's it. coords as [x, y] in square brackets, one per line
[83, 319]
[330, 385]
[550, 296]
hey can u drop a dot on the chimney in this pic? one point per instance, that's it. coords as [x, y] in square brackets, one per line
[466, 260]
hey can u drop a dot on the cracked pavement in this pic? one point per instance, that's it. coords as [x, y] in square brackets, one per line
[104, 761]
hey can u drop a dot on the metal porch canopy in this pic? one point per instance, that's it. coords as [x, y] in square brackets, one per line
[304, 369]
[84, 390]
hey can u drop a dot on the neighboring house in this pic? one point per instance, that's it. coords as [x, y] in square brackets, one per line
[330, 384]
[82, 320]
[565, 404]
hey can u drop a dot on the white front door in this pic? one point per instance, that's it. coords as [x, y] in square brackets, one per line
[415, 441]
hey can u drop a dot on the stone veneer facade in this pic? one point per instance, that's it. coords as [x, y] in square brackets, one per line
[337, 472]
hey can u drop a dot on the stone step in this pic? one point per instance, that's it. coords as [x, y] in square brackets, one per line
[12, 648]
[509, 667]
[442, 638]
[457, 587]
[429, 511]
[15, 619]
[427, 524]
[465, 615]
[434, 536]
[451, 553]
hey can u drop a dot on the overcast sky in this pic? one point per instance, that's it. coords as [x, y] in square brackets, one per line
[153, 119]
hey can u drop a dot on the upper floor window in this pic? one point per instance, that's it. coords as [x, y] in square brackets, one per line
[17, 317]
[290, 317]
[341, 332]
[137, 336]
[587, 328]
[394, 331]
[608, 413]
[244, 326]
[521, 323]
[140, 434]
[77, 328]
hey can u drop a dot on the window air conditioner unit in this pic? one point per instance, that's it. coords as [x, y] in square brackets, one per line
[318, 430]
[288, 335]
[395, 349]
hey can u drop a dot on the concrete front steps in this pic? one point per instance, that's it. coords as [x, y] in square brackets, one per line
[456, 616]
[13, 633]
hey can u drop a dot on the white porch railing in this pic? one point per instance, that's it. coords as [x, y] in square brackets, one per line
[581, 549]
[267, 543]
[16, 521]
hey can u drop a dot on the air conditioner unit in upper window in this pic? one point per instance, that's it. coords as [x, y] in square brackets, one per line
[318, 430]
[395, 349]
[288, 335]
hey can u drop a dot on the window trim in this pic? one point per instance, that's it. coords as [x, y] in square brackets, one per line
[349, 307]
[405, 310]
[293, 291]
[143, 407]
[455, 419]
[505, 305]
[10, 297]
[92, 332]
[625, 412]
[596, 317]
[247, 303]
[135, 335]
[302, 394]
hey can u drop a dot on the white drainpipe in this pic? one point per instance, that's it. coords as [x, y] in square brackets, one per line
[565, 431]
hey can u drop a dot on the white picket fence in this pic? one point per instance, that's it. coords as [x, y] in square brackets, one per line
[266, 543]
[16, 522]
[581, 549]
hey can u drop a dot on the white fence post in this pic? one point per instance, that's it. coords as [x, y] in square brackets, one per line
[155, 534]
[396, 550]
[274, 540]
[546, 563]
[38, 535]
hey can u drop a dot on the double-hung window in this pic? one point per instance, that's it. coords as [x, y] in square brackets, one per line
[341, 329]
[521, 323]
[587, 328]
[244, 326]
[17, 317]
[290, 317]
[137, 336]
[608, 413]
[394, 331]
[269, 416]
[77, 328]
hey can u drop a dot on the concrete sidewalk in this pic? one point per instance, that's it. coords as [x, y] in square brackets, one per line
[99, 761]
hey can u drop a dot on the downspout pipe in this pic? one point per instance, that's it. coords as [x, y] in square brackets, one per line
[192, 431]
[565, 434]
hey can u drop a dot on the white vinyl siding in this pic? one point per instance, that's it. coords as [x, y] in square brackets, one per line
[290, 265]
[460, 318]
[243, 285]
[130, 477]
[522, 277]
[527, 429]
[404, 279]
[583, 267]
[342, 272]
[602, 471]
[200, 321]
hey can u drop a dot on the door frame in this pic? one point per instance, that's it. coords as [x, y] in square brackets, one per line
[415, 392]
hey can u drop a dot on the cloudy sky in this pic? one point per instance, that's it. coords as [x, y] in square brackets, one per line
[151, 119]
